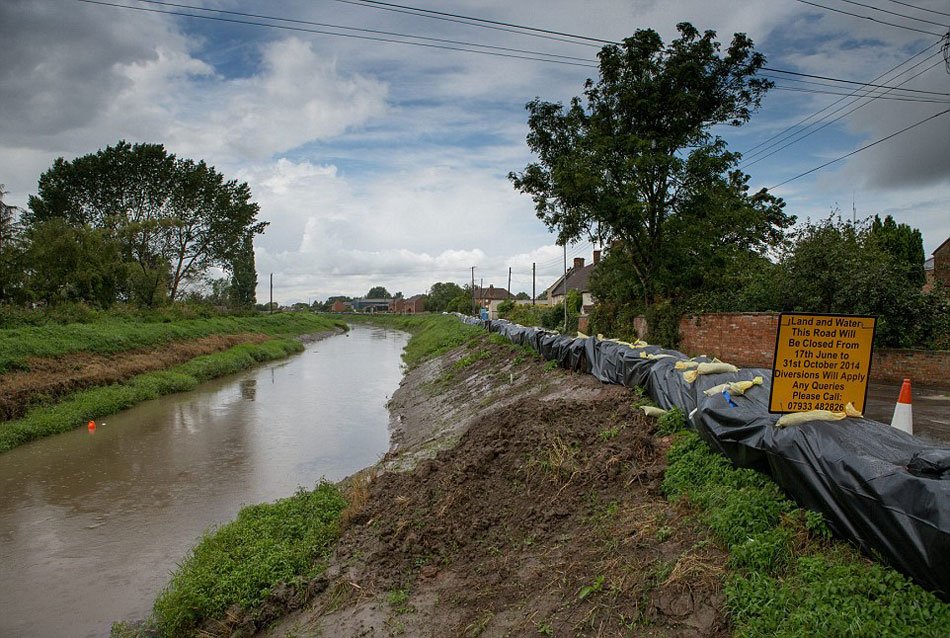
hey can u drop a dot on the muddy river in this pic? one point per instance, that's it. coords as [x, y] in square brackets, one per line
[92, 525]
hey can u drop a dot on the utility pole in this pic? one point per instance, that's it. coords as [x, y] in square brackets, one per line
[270, 306]
[473, 289]
[565, 287]
[509, 281]
[533, 271]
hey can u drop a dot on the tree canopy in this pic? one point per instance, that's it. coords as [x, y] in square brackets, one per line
[171, 218]
[636, 166]
[378, 292]
[441, 293]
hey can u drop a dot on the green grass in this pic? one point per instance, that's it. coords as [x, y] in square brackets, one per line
[240, 563]
[786, 577]
[113, 334]
[432, 335]
[77, 408]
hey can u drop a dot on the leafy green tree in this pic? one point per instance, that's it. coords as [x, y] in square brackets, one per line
[242, 292]
[441, 293]
[378, 292]
[836, 266]
[173, 218]
[523, 296]
[903, 243]
[67, 263]
[636, 165]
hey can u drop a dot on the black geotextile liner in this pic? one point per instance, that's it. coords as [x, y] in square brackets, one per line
[883, 489]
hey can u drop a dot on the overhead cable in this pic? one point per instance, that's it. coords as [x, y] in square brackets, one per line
[286, 27]
[872, 19]
[914, 6]
[855, 152]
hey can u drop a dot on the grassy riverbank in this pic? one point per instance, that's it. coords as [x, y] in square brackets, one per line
[57, 377]
[560, 511]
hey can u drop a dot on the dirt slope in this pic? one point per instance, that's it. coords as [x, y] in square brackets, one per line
[517, 501]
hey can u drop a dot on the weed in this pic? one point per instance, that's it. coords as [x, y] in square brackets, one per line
[544, 628]
[550, 365]
[398, 599]
[664, 533]
[469, 359]
[241, 562]
[593, 588]
[609, 433]
[671, 422]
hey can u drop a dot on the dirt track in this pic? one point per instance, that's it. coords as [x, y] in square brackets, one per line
[517, 501]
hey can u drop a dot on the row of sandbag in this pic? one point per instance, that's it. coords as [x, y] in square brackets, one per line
[885, 490]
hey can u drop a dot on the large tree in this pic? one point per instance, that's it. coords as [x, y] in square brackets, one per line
[636, 165]
[10, 248]
[173, 217]
[441, 293]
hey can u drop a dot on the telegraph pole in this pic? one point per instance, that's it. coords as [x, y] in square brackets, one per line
[473, 288]
[270, 306]
[509, 281]
[533, 293]
[565, 287]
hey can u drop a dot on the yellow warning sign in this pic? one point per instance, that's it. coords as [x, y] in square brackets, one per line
[821, 362]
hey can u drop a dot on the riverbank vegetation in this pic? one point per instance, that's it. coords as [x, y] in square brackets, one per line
[56, 377]
[560, 511]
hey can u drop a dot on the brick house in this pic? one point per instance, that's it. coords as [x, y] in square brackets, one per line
[340, 306]
[413, 305]
[578, 278]
[491, 298]
[937, 268]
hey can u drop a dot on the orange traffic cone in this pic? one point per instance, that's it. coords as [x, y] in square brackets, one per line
[903, 418]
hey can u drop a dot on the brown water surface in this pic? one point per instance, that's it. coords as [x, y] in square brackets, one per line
[92, 525]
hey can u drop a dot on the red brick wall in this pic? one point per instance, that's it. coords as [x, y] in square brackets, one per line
[748, 340]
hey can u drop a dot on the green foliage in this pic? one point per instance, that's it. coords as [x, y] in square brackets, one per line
[440, 294]
[663, 323]
[837, 266]
[170, 218]
[241, 562]
[673, 421]
[432, 335]
[77, 408]
[111, 333]
[378, 292]
[787, 578]
[636, 166]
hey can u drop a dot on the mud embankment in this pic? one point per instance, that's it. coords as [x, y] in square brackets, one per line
[516, 500]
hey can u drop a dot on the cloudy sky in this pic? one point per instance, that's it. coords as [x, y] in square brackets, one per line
[377, 162]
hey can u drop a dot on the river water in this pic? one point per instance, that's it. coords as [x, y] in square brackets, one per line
[92, 525]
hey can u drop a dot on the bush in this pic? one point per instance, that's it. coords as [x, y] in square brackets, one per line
[241, 562]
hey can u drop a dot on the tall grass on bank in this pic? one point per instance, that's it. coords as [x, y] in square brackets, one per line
[81, 406]
[787, 577]
[116, 334]
[432, 335]
[241, 563]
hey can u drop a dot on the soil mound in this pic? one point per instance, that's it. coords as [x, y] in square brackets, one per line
[546, 518]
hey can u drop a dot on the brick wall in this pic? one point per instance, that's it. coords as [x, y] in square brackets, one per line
[748, 340]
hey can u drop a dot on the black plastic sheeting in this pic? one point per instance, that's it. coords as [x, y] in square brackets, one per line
[883, 489]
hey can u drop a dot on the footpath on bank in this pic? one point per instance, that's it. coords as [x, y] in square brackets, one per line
[57, 377]
[523, 499]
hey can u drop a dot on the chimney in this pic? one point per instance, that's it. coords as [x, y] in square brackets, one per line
[596, 257]
[578, 263]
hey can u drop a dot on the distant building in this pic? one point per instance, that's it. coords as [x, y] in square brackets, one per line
[370, 305]
[413, 305]
[341, 306]
[937, 268]
[578, 278]
[490, 298]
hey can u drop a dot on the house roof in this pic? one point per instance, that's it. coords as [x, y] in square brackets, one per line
[577, 279]
[416, 298]
[941, 246]
[929, 264]
[492, 293]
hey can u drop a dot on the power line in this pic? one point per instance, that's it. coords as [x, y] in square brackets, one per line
[482, 21]
[855, 152]
[782, 134]
[913, 6]
[869, 92]
[893, 13]
[858, 15]
[343, 35]
[759, 153]
[873, 96]
[868, 84]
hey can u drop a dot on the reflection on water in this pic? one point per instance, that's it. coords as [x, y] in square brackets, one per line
[92, 524]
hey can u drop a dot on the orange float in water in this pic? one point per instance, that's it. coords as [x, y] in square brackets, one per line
[92, 425]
